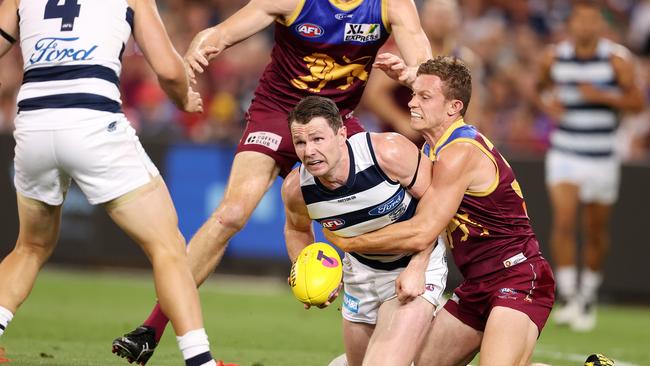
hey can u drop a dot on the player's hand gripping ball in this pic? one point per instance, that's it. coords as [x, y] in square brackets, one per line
[316, 274]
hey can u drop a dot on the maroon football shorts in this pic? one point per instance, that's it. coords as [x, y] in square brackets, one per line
[267, 132]
[528, 287]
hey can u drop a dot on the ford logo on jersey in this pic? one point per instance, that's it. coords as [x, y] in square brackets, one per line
[54, 49]
[310, 30]
[389, 205]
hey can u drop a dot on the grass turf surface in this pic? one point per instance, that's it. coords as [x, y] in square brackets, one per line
[71, 318]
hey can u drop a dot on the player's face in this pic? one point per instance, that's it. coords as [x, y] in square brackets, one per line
[439, 19]
[428, 106]
[585, 24]
[317, 146]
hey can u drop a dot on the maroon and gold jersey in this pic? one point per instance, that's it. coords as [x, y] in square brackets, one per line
[491, 229]
[326, 47]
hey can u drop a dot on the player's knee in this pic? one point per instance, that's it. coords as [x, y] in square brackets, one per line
[232, 215]
[35, 247]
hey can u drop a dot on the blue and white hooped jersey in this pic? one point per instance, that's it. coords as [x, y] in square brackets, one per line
[72, 61]
[367, 202]
[586, 129]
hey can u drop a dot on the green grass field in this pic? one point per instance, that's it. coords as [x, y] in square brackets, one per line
[72, 317]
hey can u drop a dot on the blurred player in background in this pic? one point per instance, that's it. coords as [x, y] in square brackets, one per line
[70, 126]
[388, 100]
[592, 81]
[353, 186]
[321, 47]
[504, 301]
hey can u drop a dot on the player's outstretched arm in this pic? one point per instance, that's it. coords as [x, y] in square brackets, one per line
[456, 170]
[410, 38]
[150, 34]
[298, 231]
[249, 20]
[8, 25]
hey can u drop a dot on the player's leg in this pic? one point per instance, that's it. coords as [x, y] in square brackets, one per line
[37, 238]
[596, 235]
[252, 174]
[564, 204]
[356, 336]
[148, 216]
[508, 329]
[449, 342]
[399, 332]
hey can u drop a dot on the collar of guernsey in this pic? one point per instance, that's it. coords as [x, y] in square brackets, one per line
[455, 130]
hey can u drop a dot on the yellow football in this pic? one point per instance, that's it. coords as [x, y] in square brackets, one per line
[316, 274]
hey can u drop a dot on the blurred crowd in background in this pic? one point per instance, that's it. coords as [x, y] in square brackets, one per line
[506, 38]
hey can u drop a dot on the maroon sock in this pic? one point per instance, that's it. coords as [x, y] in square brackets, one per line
[158, 320]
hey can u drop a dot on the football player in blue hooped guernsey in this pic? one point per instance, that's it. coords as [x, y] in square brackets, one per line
[322, 47]
[70, 126]
[354, 186]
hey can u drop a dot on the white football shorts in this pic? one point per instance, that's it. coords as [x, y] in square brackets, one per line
[598, 179]
[105, 159]
[366, 288]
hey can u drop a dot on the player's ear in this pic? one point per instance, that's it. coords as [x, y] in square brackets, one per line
[455, 106]
[343, 134]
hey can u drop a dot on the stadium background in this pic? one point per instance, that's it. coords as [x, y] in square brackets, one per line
[194, 153]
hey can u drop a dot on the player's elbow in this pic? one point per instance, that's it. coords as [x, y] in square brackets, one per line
[171, 73]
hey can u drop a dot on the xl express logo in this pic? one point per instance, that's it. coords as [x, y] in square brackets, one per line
[362, 32]
[310, 30]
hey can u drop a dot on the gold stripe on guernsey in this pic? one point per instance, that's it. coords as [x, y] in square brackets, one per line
[288, 20]
[384, 15]
[346, 5]
[450, 130]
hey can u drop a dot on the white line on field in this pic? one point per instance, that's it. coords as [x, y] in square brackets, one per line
[574, 357]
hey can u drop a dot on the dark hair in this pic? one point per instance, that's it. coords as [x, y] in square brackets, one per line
[314, 106]
[455, 76]
[593, 4]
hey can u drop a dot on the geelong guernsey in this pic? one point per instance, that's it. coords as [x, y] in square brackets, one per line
[586, 129]
[368, 201]
[72, 61]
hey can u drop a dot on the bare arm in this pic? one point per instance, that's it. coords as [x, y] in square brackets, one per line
[398, 158]
[460, 166]
[150, 34]
[631, 97]
[252, 18]
[547, 103]
[298, 231]
[411, 41]
[8, 24]
[379, 100]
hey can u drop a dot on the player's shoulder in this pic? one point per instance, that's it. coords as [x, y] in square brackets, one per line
[291, 186]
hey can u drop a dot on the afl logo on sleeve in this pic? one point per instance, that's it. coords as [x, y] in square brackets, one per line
[310, 30]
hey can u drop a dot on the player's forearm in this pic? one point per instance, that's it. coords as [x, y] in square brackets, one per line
[176, 87]
[296, 241]
[630, 102]
[396, 238]
[420, 260]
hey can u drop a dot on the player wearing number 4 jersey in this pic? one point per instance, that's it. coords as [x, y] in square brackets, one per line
[322, 47]
[70, 126]
[508, 290]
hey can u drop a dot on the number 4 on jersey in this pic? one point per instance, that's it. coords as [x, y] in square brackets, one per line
[67, 12]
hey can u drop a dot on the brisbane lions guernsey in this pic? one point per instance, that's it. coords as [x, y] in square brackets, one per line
[326, 47]
[491, 229]
[368, 201]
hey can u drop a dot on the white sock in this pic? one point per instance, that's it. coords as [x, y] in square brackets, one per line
[195, 348]
[5, 318]
[567, 280]
[589, 284]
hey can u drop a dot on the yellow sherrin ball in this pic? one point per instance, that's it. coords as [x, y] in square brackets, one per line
[316, 274]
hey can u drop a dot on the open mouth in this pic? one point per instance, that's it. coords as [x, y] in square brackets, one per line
[415, 115]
